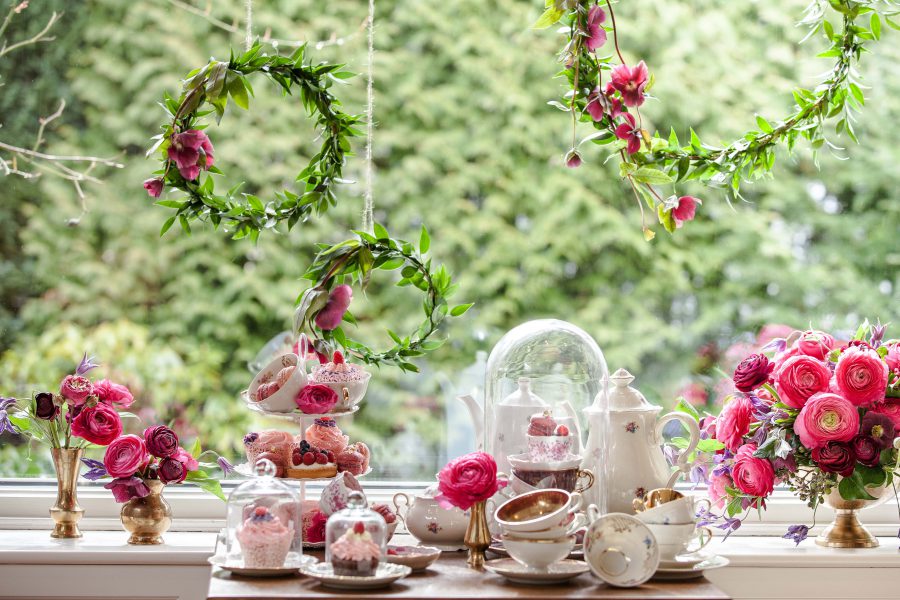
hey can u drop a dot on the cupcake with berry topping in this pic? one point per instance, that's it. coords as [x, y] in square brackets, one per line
[349, 381]
[310, 462]
[324, 433]
[264, 539]
[547, 440]
[355, 553]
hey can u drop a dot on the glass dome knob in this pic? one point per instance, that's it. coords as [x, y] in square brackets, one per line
[265, 468]
[356, 500]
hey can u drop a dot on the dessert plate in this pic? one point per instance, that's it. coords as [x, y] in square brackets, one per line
[621, 550]
[497, 547]
[292, 565]
[245, 470]
[713, 561]
[560, 572]
[683, 561]
[417, 558]
[385, 574]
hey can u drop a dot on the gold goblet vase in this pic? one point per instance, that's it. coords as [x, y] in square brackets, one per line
[845, 531]
[149, 517]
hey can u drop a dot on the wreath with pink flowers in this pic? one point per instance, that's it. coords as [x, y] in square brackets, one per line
[608, 93]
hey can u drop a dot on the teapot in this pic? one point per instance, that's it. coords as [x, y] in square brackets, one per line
[635, 463]
[431, 524]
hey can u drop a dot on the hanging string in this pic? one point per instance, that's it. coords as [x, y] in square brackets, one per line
[248, 35]
[368, 219]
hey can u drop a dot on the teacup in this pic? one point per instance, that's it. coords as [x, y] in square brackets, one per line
[679, 539]
[537, 510]
[654, 498]
[680, 511]
[553, 533]
[538, 554]
[571, 480]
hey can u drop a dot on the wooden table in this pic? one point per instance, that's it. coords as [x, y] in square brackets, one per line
[451, 579]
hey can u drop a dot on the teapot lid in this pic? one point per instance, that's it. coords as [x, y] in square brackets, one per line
[523, 396]
[624, 397]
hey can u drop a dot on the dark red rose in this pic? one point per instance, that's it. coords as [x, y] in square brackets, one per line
[172, 470]
[835, 457]
[161, 441]
[867, 450]
[44, 407]
[752, 372]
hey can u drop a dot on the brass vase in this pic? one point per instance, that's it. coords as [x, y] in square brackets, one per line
[478, 536]
[65, 512]
[149, 517]
[846, 531]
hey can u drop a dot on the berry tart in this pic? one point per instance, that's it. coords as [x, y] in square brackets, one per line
[309, 462]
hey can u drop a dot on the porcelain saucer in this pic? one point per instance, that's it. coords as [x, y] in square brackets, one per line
[385, 575]
[556, 573]
[683, 561]
[497, 548]
[713, 561]
[417, 558]
[292, 565]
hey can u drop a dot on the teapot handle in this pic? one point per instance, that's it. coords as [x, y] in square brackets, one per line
[402, 508]
[693, 431]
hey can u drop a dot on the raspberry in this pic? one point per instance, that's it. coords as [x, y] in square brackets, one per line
[330, 455]
[562, 430]
[321, 459]
[338, 358]
[260, 511]
[359, 528]
[297, 458]
[309, 458]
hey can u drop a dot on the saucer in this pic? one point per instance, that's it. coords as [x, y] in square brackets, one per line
[417, 558]
[683, 560]
[497, 547]
[691, 571]
[292, 565]
[385, 575]
[621, 550]
[556, 573]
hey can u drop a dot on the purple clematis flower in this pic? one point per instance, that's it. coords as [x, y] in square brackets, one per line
[96, 468]
[699, 474]
[5, 425]
[730, 525]
[126, 488]
[797, 533]
[877, 335]
[87, 364]
[777, 344]
[227, 467]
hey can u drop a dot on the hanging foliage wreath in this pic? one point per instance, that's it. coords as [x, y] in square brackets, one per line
[186, 151]
[608, 93]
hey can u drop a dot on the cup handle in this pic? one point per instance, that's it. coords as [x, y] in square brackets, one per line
[701, 501]
[589, 476]
[579, 522]
[505, 491]
[638, 505]
[681, 464]
[704, 537]
[593, 513]
[576, 502]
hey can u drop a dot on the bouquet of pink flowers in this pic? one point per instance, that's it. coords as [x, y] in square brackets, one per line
[808, 412]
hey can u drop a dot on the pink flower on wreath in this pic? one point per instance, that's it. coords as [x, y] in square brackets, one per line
[734, 422]
[630, 131]
[752, 475]
[685, 209]
[594, 106]
[76, 389]
[596, 34]
[330, 317]
[467, 480]
[113, 393]
[573, 159]
[817, 344]
[191, 150]
[826, 418]
[800, 377]
[861, 375]
[630, 82]
[717, 489]
[154, 187]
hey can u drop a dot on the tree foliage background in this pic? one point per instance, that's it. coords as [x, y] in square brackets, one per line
[465, 142]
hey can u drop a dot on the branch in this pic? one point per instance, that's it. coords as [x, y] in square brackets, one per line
[108, 162]
[41, 36]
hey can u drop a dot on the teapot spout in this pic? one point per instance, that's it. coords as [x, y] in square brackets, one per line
[477, 414]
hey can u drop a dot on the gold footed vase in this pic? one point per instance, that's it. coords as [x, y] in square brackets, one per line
[846, 531]
[65, 512]
[147, 518]
[478, 536]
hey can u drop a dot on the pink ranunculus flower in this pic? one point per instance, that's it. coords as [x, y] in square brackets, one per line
[817, 344]
[799, 377]
[154, 187]
[466, 480]
[113, 393]
[172, 470]
[685, 210]
[330, 317]
[752, 475]
[185, 458]
[716, 489]
[316, 399]
[734, 422]
[98, 424]
[191, 150]
[892, 358]
[596, 35]
[630, 82]
[161, 441]
[629, 130]
[125, 455]
[826, 417]
[891, 408]
[752, 372]
[861, 376]
[76, 389]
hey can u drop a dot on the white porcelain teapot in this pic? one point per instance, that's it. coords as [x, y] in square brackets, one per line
[636, 463]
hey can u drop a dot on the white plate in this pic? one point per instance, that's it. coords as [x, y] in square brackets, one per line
[292, 565]
[295, 415]
[385, 574]
[497, 547]
[691, 572]
[417, 558]
[555, 573]
[621, 550]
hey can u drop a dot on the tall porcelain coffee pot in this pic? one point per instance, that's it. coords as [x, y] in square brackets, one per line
[636, 463]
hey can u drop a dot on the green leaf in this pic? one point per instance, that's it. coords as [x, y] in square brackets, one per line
[424, 241]
[167, 225]
[196, 449]
[460, 309]
[551, 16]
[238, 92]
[206, 483]
[857, 93]
[652, 176]
[875, 24]
[380, 232]
[763, 124]
[852, 488]
[710, 445]
[686, 408]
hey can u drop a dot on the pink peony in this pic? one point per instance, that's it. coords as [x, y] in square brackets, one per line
[98, 424]
[752, 372]
[716, 489]
[734, 422]
[154, 187]
[161, 441]
[799, 377]
[185, 458]
[76, 389]
[628, 130]
[752, 475]
[330, 317]
[685, 210]
[861, 375]
[124, 456]
[466, 480]
[113, 393]
[630, 82]
[190, 151]
[817, 344]
[596, 35]
[826, 417]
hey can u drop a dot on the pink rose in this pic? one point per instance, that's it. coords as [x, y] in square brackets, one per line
[716, 489]
[124, 456]
[826, 418]
[861, 375]
[817, 344]
[338, 302]
[752, 475]
[76, 389]
[316, 399]
[316, 531]
[98, 424]
[466, 480]
[185, 458]
[799, 377]
[172, 470]
[891, 408]
[752, 372]
[113, 393]
[734, 422]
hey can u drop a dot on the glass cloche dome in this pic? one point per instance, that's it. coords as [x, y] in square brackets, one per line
[263, 526]
[545, 368]
[355, 539]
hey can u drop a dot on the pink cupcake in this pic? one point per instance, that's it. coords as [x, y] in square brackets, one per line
[264, 539]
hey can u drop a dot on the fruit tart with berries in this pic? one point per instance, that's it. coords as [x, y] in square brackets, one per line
[309, 462]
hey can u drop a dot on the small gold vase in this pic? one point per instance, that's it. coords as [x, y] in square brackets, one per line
[149, 517]
[846, 531]
[478, 536]
[65, 512]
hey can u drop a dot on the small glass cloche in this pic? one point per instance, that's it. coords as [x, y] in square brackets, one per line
[263, 526]
[355, 539]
